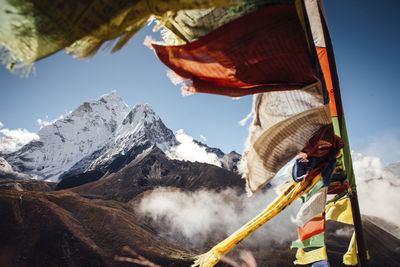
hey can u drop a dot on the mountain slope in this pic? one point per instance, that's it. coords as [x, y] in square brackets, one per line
[65, 229]
[153, 169]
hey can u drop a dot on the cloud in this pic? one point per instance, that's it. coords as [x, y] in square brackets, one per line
[1, 124]
[190, 151]
[13, 140]
[378, 188]
[206, 215]
[203, 138]
[43, 123]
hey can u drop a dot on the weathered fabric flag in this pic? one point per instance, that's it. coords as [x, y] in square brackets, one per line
[263, 51]
[312, 191]
[283, 124]
[303, 257]
[185, 26]
[312, 208]
[33, 29]
[314, 241]
[340, 211]
[350, 258]
[313, 227]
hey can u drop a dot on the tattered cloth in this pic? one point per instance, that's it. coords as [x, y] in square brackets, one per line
[185, 26]
[312, 208]
[33, 29]
[315, 255]
[313, 227]
[283, 124]
[262, 51]
[320, 151]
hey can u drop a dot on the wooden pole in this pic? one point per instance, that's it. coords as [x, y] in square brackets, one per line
[362, 250]
[341, 125]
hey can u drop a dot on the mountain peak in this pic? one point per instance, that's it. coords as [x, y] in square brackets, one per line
[113, 96]
[140, 112]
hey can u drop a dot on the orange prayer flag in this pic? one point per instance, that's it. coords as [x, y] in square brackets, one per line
[313, 227]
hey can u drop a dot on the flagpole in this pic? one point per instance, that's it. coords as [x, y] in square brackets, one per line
[340, 127]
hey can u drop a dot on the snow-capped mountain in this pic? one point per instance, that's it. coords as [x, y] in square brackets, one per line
[67, 140]
[100, 136]
[140, 129]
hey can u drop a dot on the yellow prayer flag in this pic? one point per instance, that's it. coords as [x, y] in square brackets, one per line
[340, 211]
[315, 255]
[350, 258]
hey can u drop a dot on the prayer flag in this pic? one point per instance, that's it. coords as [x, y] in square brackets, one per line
[33, 29]
[340, 211]
[313, 227]
[262, 51]
[314, 190]
[314, 241]
[303, 257]
[350, 258]
[185, 26]
[313, 207]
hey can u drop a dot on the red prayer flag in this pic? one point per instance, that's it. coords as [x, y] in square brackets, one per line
[335, 189]
[313, 227]
[263, 51]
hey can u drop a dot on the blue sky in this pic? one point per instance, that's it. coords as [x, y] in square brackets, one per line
[366, 43]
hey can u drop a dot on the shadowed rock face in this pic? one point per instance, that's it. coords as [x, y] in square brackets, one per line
[153, 169]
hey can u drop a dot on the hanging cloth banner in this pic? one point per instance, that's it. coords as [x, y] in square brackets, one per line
[313, 227]
[283, 124]
[313, 207]
[303, 258]
[33, 29]
[350, 258]
[337, 188]
[314, 241]
[339, 211]
[263, 51]
[314, 190]
[185, 26]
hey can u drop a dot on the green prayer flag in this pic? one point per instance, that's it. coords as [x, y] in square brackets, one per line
[314, 241]
[313, 190]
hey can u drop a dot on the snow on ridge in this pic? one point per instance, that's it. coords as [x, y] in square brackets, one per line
[67, 140]
[141, 112]
[140, 127]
